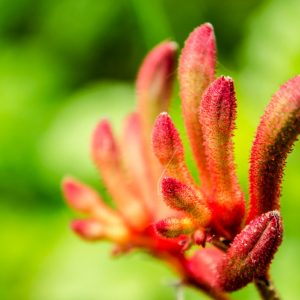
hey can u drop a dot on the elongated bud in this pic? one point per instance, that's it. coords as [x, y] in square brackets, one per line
[90, 230]
[251, 252]
[135, 157]
[107, 157]
[217, 117]
[154, 83]
[275, 136]
[184, 198]
[174, 226]
[84, 199]
[168, 148]
[196, 71]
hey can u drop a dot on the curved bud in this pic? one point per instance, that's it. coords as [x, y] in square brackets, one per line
[173, 227]
[196, 71]
[184, 198]
[251, 252]
[275, 136]
[107, 157]
[217, 118]
[168, 148]
[154, 83]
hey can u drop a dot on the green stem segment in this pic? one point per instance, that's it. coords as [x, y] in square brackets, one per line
[266, 289]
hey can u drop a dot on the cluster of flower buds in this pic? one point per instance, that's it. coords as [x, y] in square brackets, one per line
[233, 247]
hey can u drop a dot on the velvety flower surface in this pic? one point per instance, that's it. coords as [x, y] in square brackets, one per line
[231, 247]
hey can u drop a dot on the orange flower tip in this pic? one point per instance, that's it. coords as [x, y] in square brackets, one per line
[165, 139]
[88, 229]
[103, 143]
[173, 227]
[184, 198]
[251, 251]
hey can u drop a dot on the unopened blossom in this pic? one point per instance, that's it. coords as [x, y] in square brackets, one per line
[232, 246]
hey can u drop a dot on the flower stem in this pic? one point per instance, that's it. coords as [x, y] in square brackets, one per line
[266, 288]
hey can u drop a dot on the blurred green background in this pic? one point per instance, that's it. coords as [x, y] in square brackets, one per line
[64, 64]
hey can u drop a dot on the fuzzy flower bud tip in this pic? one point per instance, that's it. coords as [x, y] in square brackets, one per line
[168, 148]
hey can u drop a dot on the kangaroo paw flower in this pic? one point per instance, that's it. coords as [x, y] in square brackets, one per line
[217, 117]
[251, 252]
[275, 136]
[197, 229]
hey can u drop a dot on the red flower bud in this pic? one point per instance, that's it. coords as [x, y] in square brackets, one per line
[217, 117]
[251, 252]
[275, 136]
